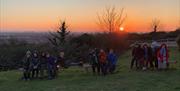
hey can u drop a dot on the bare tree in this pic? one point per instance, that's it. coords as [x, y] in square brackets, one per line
[155, 25]
[111, 19]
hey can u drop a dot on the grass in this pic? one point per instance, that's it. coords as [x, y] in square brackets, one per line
[75, 79]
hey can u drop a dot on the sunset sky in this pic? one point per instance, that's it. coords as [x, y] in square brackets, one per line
[81, 15]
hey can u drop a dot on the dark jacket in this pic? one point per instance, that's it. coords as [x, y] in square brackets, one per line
[139, 53]
[43, 62]
[26, 62]
[93, 58]
[35, 62]
[51, 62]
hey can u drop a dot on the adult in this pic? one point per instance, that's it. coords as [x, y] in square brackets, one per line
[140, 56]
[134, 56]
[51, 66]
[147, 56]
[26, 66]
[94, 61]
[103, 61]
[61, 60]
[163, 56]
[43, 65]
[155, 47]
[35, 65]
[112, 60]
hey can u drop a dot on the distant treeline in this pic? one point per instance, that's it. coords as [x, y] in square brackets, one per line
[154, 35]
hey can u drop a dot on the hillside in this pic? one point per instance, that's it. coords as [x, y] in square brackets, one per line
[75, 79]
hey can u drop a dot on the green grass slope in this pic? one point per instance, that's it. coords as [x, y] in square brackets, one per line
[75, 79]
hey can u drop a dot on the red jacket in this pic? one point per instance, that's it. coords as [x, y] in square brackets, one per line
[102, 57]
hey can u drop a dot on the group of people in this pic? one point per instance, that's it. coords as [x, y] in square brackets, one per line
[146, 56]
[41, 66]
[103, 62]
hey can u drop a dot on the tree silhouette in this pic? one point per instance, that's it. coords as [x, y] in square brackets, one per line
[58, 39]
[156, 25]
[111, 19]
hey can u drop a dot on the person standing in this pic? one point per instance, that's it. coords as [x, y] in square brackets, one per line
[43, 65]
[59, 63]
[35, 65]
[155, 47]
[140, 57]
[50, 66]
[134, 56]
[103, 61]
[26, 66]
[163, 56]
[94, 61]
[147, 56]
[112, 60]
[61, 60]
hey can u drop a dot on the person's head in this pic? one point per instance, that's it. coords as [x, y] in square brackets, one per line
[101, 50]
[43, 54]
[61, 54]
[28, 53]
[111, 51]
[47, 55]
[145, 45]
[163, 46]
[35, 54]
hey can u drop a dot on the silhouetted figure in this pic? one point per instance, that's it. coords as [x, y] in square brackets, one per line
[163, 57]
[61, 60]
[43, 65]
[26, 66]
[51, 66]
[35, 65]
[155, 47]
[94, 60]
[103, 61]
[134, 56]
[140, 57]
[112, 60]
[147, 56]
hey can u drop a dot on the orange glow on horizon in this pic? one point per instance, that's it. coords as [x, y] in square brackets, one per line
[82, 16]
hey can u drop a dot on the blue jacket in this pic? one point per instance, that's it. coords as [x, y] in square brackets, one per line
[51, 62]
[112, 58]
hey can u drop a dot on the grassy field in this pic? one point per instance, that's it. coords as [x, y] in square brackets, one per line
[75, 79]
